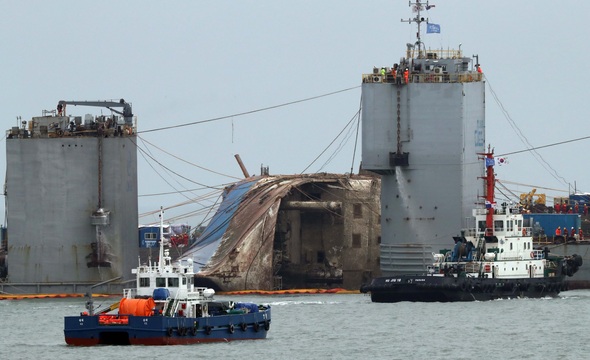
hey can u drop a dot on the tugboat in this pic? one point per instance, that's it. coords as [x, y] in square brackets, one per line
[494, 260]
[166, 308]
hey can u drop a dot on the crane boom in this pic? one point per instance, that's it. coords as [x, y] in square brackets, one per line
[126, 113]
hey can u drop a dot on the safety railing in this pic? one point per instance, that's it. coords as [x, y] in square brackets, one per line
[435, 54]
[472, 76]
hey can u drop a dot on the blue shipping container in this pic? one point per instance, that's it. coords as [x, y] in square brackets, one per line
[545, 224]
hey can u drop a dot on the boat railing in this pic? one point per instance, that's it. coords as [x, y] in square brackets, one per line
[434, 54]
[524, 231]
[473, 232]
[471, 76]
[129, 293]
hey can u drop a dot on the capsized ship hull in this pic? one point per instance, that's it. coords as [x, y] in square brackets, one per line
[291, 231]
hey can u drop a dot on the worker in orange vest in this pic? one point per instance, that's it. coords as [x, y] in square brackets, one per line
[558, 231]
[478, 68]
[407, 75]
[580, 235]
[394, 73]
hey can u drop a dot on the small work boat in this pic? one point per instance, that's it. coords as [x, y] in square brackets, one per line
[493, 260]
[166, 308]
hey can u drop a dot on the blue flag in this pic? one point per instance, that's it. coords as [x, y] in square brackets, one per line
[432, 28]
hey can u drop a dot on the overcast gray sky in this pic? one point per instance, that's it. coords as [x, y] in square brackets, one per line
[180, 62]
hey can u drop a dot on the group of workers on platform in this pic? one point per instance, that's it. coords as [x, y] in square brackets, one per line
[578, 235]
[568, 209]
[401, 74]
[396, 73]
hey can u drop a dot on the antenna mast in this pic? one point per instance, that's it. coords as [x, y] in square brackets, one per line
[417, 8]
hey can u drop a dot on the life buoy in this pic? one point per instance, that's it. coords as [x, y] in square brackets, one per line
[243, 326]
[266, 325]
[207, 330]
[231, 328]
[256, 327]
[169, 332]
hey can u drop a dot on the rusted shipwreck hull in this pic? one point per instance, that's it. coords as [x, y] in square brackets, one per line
[294, 231]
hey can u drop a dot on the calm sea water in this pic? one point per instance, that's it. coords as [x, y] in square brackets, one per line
[338, 327]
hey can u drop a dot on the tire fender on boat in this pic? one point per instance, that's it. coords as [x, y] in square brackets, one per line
[243, 326]
[169, 332]
[256, 327]
[266, 325]
[194, 331]
[231, 328]
[207, 330]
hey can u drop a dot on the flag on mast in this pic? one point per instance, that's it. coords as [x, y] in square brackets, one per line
[432, 28]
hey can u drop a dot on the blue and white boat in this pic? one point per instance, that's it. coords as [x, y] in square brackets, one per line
[166, 308]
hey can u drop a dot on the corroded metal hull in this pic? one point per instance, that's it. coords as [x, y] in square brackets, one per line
[298, 231]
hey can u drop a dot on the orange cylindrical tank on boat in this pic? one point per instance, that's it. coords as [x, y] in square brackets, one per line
[137, 307]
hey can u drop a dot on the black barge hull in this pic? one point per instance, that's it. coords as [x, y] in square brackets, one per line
[428, 288]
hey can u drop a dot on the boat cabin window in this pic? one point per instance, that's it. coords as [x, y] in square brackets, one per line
[509, 226]
[172, 282]
[510, 246]
[144, 282]
[183, 281]
[499, 225]
[481, 225]
[160, 282]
